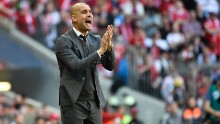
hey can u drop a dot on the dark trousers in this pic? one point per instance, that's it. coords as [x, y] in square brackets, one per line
[82, 112]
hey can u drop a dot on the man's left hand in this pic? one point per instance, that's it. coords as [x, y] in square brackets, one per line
[109, 37]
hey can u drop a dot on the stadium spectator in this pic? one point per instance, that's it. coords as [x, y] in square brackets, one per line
[168, 84]
[43, 111]
[212, 28]
[192, 114]
[208, 6]
[40, 120]
[206, 57]
[19, 102]
[147, 74]
[179, 91]
[63, 5]
[162, 64]
[198, 45]
[14, 109]
[126, 29]
[118, 16]
[50, 20]
[122, 75]
[25, 20]
[151, 22]
[138, 38]
[134, 116]
[29, 114]
[188, 53]
[64, 24]
[133, 7]
[19, 119]
[190, 5]
[165, 28]
[168, 7]
[109, 117]
[173, 114]
[175, 38]
[103, 18]
[158, 42]
[192, 26]
[54, 118]
[179, 14]
[203, 84]
[212, 102]
[8, 8]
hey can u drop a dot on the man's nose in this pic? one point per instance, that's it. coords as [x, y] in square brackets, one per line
[89, 15]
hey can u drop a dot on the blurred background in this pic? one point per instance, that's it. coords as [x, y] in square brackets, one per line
[167, 54]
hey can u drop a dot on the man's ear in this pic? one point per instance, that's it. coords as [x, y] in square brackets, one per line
[73, 17]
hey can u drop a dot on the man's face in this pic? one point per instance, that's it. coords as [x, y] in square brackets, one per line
[83, 18]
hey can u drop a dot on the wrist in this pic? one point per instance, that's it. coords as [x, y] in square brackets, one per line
[100, 52]
[110, 46]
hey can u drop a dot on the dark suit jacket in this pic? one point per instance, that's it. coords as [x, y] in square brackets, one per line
[73, 64]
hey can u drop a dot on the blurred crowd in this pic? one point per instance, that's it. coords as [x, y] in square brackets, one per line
[121, 110]
[14, 109]
[161, 46]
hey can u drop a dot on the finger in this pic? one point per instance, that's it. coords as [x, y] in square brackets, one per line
[110, 33]
[107, 31]
[109, 36]
[104, 36]
[111, 26]
[108, 28]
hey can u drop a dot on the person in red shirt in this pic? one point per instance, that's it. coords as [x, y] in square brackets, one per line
[180, 14]
[203, 83]
[152, 3]
[8, 8]
[109, 117]
[126, 29]
[138, 38]
[25, 20]
[167, 7]
[212, 28]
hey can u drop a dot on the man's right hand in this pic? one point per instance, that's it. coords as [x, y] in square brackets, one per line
[104, 44]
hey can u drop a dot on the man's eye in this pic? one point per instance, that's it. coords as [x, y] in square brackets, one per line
[83, 12]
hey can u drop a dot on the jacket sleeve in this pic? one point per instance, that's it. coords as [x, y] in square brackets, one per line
[108, 60]
[66, 55]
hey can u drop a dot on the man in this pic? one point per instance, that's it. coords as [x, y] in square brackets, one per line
[78, 52]
[212, 103]
[173, 114]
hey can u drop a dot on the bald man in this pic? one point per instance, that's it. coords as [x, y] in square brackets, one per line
[78, 52]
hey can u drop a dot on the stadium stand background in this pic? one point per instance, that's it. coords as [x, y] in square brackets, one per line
[168, 49]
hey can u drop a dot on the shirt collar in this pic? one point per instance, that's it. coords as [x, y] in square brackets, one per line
[78, 33]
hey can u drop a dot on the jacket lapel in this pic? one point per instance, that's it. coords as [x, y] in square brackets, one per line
[76, 40]
[92, 43]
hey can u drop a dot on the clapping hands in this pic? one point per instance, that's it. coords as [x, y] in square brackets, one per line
[106, 43]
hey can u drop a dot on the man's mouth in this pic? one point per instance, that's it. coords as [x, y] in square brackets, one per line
[88, 22]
